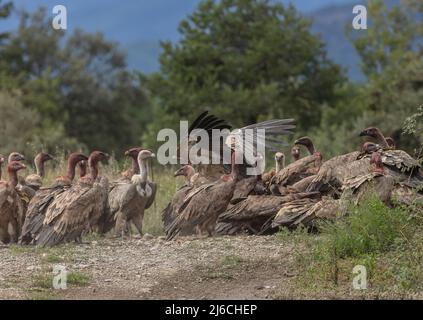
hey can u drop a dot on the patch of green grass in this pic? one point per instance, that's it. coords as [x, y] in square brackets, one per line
[16, 249]
[45, 295]
[386, 241]
[53, 258]
[78, 278]
[371, 227]
[42, 281]
[232, 261]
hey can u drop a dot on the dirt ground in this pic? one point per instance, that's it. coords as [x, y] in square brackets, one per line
[150, 268]
[242, 267]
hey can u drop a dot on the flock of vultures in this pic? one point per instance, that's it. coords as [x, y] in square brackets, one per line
[216, 199]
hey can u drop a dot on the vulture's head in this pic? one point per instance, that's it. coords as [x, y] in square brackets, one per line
[145, 154]
[97, 156]
[391, 142]
[185, 171]
[370, 147]
[15, 166]
[76, 157]
[133, 152]
[279, 157]
[303, 141]
[372, 132]
[15, 156]
[306, 142]
[43, 157]
[295, 152]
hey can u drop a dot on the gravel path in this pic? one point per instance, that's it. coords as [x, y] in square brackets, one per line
[150, 268]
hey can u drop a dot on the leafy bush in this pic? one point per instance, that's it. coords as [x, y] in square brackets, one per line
[371, 227]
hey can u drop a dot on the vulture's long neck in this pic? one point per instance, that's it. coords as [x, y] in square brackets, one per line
[70, 171]
[93, 169]
[39, 167]
[380, 138]
[234, 167]
[135, 166]
[280, 165]
[310, 148]
[13, 178]
[143, 169]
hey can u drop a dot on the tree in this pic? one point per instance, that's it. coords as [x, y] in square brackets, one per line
[391, 37]
[5, 10]
[79, 84]
[393, 61]
[246, 61]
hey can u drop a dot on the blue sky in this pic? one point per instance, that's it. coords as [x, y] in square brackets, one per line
[138, 25]
[146, 19]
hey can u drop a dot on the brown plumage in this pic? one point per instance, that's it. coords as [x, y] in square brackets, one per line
[299, 169]
[44, 197]
[308, 211]
[128, 200]
[172, 209]
[254, 214]
[77, 209]
[202, 206]
[11, 206]
[333, 172]
[394, 159]
[376, 135]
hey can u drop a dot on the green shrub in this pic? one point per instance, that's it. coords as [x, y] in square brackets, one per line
[370, 228]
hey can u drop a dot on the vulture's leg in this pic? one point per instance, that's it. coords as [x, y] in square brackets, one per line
[120, 226]
[4, 235]
[13, 230]
[137, 220]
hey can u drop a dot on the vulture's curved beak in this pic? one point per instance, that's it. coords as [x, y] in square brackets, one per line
[179, 172]
[363, 133]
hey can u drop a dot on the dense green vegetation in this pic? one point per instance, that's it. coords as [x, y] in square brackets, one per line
[244, 60]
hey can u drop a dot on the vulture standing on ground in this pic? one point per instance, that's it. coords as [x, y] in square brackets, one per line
[11, 206]
[202, 206]
[43, 198]
[135, 168]
[35, 181]
[77, 209]
[128, 201]
[120, 192]
[172, 209]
